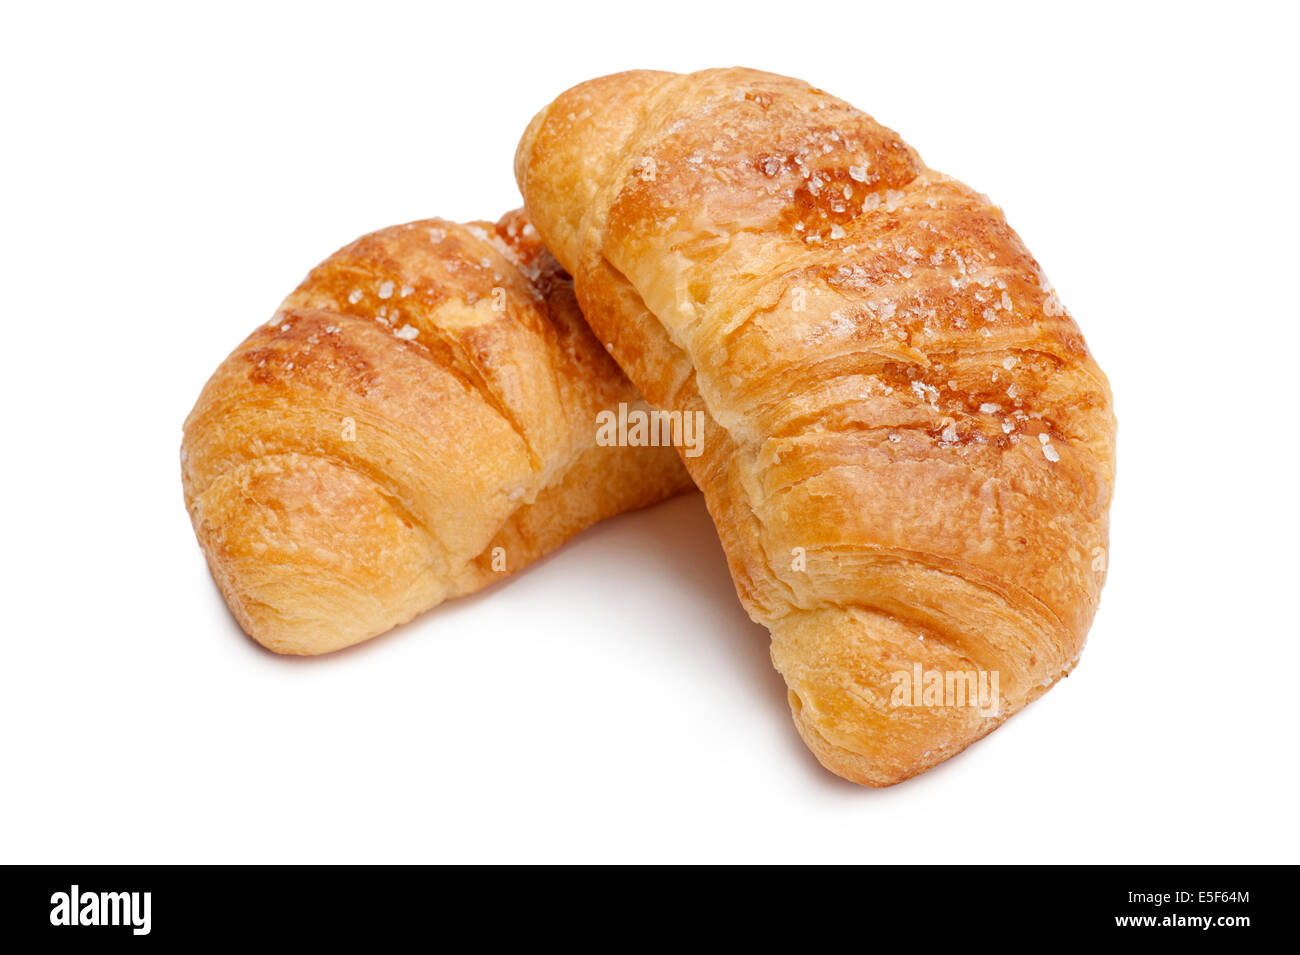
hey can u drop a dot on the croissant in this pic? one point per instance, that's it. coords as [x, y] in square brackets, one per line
[908, 450]
[416, 421]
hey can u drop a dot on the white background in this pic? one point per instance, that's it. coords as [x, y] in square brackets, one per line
[169, 175]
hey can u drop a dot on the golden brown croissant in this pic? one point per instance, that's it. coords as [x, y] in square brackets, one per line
[416, 421]
[908, 451]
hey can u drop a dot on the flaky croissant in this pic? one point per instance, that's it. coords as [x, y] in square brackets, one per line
[416, 421]
[908, 451]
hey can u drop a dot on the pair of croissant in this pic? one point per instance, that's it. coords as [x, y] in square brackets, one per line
[908, 450]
